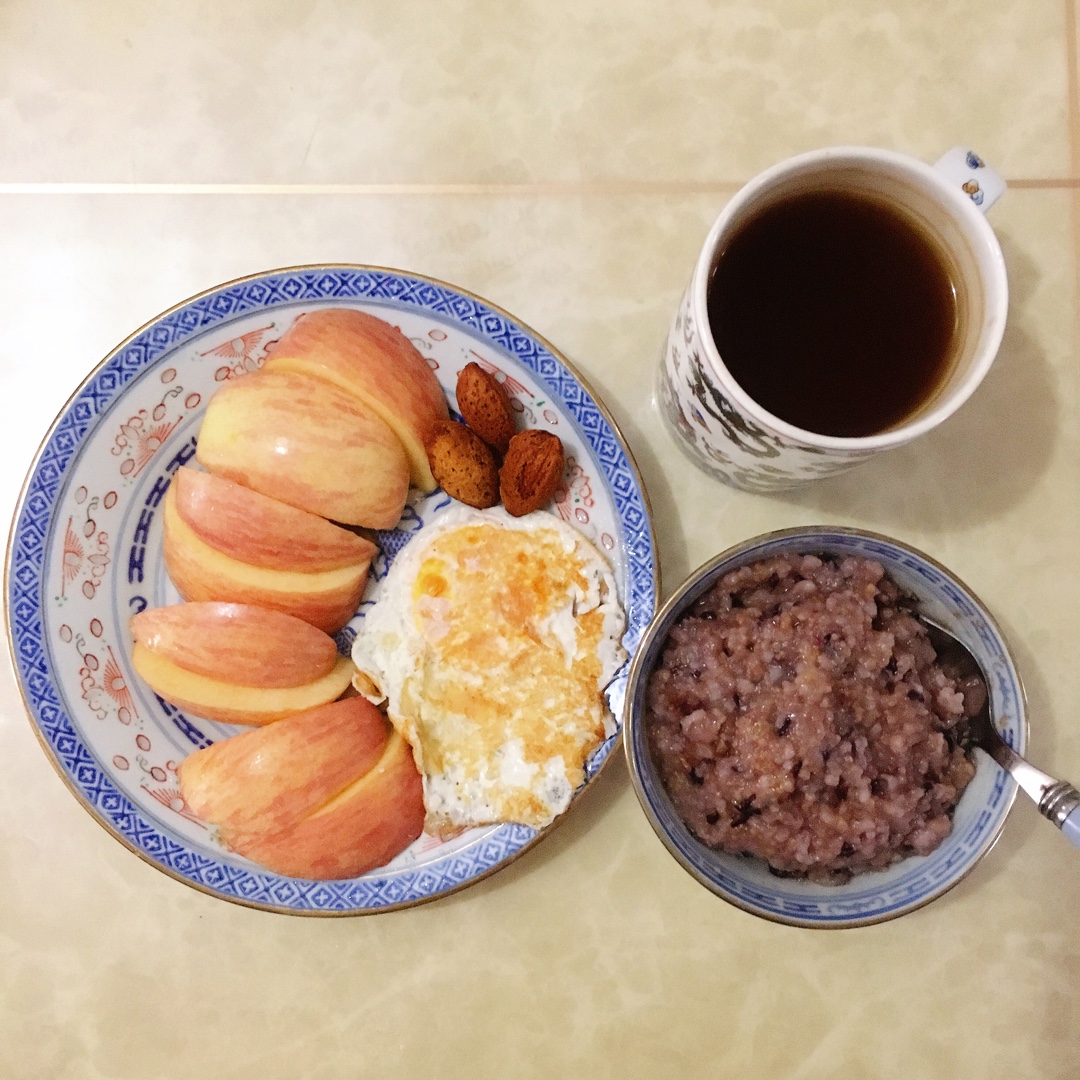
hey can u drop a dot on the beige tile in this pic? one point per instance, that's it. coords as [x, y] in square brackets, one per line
[566, 91]
[594, 954]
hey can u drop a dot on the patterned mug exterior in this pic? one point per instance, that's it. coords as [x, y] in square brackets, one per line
[727, 434]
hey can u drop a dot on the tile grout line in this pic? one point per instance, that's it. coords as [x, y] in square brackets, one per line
[598, 188]
[1072, 88]
[553, 189]
[1073, 106]
[1044, 185]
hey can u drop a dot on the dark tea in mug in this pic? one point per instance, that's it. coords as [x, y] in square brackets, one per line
[835, 312]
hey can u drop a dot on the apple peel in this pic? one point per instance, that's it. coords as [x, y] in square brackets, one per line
[264, 532]
[326, 599]
[236, 643]
[232, 703]
[327, 794]
[308, 443]
[269, 778]
[375, 363]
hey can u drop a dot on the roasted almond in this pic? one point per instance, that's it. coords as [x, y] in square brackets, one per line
[485, 406]
[463, 465]
[531, 471]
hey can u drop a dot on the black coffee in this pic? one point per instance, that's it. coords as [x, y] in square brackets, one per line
[834, 312]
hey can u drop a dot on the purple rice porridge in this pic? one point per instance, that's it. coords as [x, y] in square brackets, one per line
[799, 714]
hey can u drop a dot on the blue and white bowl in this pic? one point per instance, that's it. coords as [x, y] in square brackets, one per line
[875, 896]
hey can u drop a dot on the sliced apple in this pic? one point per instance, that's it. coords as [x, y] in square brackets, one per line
[270, 778]
[237, 643]
[326, 599]
[376, 363]
[330, 793]
[307, 443]
[365, 826]
[234, 703]
[261, 531]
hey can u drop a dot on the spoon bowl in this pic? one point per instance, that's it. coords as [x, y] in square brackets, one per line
[1057, 800]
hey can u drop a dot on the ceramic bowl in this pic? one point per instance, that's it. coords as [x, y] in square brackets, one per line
[873, 896]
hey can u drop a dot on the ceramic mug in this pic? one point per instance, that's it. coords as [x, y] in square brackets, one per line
[730, 435]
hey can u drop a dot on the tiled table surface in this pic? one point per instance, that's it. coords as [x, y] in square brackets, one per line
[564, 160]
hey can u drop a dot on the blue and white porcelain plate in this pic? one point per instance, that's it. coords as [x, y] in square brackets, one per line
[86, 554]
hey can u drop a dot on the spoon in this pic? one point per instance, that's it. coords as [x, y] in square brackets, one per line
[1057, 800]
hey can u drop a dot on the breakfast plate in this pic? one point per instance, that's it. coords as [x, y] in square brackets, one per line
[85, 554]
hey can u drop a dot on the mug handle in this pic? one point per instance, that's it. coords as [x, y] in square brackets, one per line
[974, 177]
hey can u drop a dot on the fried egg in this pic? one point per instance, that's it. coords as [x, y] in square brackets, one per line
[491, 640]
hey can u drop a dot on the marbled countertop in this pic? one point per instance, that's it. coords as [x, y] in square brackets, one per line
[565, 161]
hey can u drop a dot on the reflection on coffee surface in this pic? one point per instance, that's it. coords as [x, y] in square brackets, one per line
[835, 312]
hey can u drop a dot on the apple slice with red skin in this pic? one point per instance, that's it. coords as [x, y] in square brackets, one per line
[376, 363]
[237, 643]
[253, 528]
[232, 703]
[373, 820]
[307, 443]
[326, 598]
[328, 794]
[270, 778]
[236, 663]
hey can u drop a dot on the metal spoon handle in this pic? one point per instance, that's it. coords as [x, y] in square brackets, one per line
[1057, 800]
[1061, 804]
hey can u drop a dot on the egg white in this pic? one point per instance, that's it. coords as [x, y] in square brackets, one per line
[390, 651]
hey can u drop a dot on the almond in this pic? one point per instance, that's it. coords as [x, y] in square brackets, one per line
[463, 465]
[531, 472]
[485, 406]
